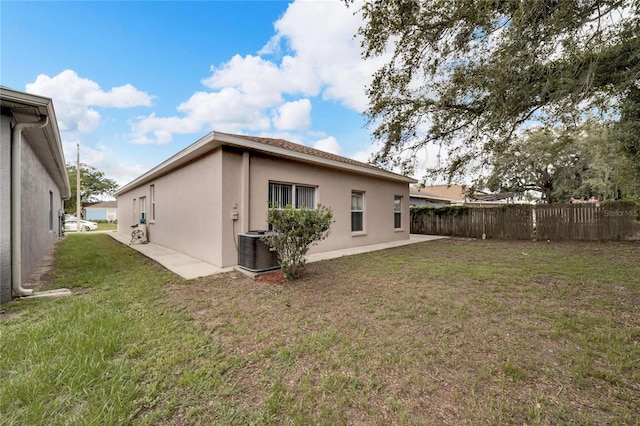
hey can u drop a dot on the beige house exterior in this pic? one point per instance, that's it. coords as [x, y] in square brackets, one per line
[199, 200]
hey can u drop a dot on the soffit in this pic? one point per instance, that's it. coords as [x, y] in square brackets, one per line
[45, 141]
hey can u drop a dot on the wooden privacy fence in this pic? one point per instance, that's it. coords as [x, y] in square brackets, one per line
[612, 221]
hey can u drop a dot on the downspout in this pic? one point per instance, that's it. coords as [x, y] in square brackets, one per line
[246, 196]
[16, 203]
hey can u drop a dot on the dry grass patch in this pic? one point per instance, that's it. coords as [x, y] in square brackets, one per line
[443, 332]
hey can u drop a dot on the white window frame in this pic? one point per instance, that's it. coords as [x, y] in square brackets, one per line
[152, 193]
[50, 210]
[361, 211]
[397, 211]
[143, 208]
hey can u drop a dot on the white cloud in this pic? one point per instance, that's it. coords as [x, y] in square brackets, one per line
[365, 155]
[329, 144]
[102, 158]
[321, 60]
[162, 129]
[125, 96]
[227, 110]
[422, 159]
[263, 81]
[294, 115]
[73, 97]
[87, 155]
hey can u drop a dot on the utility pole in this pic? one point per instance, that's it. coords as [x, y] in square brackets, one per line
[78, 207]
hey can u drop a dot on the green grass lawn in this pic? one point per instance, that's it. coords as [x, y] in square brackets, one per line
[107, 226]
[442, 332]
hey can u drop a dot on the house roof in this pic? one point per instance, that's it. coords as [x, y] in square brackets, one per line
[454, 193]
[46, 142]
[103, 205]
[276, 147]
[494, 197]
[457, 194]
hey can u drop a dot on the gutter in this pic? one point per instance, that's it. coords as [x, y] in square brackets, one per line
[16, 203]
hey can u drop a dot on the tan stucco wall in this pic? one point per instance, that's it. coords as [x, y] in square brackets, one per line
[188, 209]
[334, 190]
[196, 204]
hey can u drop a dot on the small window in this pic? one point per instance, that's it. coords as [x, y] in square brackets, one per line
[143, 208]
[357, 211]
[397, 212]
[152, 193]
[50, 211]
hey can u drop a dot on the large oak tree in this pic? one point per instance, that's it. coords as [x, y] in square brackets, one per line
[469, 75]
[588, 163]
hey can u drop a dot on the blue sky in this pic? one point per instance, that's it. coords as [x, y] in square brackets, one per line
[136, 82]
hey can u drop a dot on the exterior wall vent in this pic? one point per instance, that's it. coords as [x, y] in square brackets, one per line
[254, 254]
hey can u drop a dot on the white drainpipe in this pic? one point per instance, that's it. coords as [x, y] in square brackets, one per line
[16, 204]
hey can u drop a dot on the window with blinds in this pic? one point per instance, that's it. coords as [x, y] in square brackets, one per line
[305, 197]
[298, 196]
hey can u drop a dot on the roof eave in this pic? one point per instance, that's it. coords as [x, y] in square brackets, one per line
[214, 140]
[228, 139]
[52, 132]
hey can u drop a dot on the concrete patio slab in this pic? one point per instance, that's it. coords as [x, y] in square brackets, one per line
[413, 239]
[190, 268]
[185, 266]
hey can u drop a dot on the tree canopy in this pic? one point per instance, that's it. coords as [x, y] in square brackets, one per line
[94, 185]
[588, 163]
[468, 76]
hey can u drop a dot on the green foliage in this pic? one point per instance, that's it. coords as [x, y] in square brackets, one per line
[627, 133]
[105, 355]
[294, 231]
[586, 164]
[440, 211]
[94, 185]
[469, 75]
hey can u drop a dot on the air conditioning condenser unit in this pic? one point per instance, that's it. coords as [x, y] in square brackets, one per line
[254, 254]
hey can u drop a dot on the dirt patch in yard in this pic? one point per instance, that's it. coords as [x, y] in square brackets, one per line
[442, 332]
[274, 277]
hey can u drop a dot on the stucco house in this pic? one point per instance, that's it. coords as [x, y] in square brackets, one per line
[199, 200]
[438, 195]
[33, 185]
[104, 210]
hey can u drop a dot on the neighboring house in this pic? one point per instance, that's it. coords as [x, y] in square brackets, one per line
[446, 195]
[438, 195]
[199, 200]
[105, 210]
[33, 185]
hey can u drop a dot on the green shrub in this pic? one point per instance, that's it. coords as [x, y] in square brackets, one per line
[440, 211]
[293, 232]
